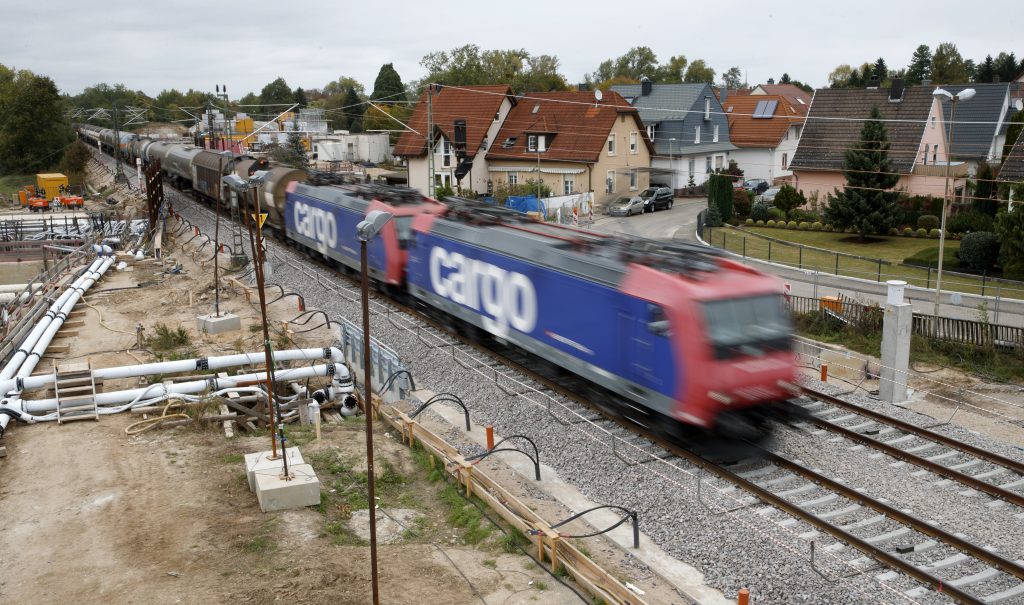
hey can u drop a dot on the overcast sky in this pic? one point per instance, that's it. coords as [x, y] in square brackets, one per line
[196, 44]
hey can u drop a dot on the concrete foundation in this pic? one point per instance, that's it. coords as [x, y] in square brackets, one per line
[260, 462]
[275, 492]
[212, 324]
[896, 325]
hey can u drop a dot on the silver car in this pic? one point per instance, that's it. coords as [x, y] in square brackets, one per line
[768, 196]
[627, 206]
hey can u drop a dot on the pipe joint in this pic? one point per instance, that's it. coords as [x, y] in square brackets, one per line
[203, 363]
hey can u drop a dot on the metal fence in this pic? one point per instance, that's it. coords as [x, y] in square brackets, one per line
[801, 256]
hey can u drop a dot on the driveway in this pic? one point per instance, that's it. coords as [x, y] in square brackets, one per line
[680, 222]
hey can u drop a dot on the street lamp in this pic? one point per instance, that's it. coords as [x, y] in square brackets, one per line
[672, 162]
[964, 95]
[366, 230]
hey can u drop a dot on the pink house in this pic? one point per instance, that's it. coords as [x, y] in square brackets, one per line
[915, 128]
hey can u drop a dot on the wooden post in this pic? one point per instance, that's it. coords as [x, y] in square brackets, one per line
[490, 437]
[824, 372]
[743, 598]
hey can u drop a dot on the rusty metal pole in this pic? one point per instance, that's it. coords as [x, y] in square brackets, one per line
[257, 258]
[216, 245]
[368, 412]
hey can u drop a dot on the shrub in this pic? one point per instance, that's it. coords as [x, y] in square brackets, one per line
[759, 212]
[934, 233]
[789, 198]
[803, 215]
[968, 222]
[749, 221]
[714, 217]
[894, 231]
[759, 223]
[907, 232]
[979, 250]
[921, 233]
[928, 221]
[770, 223]
[791, 225]
[775, 213]
[720, 194]
[804, 226]
[816, 226]
[740, 202]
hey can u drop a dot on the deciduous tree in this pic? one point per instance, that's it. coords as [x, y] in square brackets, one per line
[33, 128]
[699, 73]
[732, 78]
[947, 65]
[277, 93]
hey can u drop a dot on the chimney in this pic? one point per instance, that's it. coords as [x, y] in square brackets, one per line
[646, 86]
[874, 82]
[771, 81]
[896, 90]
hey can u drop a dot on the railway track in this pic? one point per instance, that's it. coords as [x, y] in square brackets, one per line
[941, 561]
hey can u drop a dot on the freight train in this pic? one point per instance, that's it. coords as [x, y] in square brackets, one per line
[674, 337]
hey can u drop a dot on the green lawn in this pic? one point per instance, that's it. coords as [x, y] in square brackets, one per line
[11, 183]
[891, 250]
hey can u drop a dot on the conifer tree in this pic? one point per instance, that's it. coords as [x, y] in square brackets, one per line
[866, 205]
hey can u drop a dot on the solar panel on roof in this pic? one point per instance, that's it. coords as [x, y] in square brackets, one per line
[769, 109]
[759, 110]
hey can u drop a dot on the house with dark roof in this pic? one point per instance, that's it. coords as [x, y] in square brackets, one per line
[688, 127]
[765, 129]
[980, 129]
[573, 143]
[465, 122]
[915, 129]
[1012, 172]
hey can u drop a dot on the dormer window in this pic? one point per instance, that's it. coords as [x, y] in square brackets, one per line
[650, 131]
[531, 142]
[536, 142]
[509, 142]
[696, 134]
[714, 137]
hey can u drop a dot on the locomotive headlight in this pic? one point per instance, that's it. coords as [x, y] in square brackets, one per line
[720, 397]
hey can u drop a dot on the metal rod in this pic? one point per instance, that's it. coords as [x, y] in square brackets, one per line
[368, 411]
[256, 244]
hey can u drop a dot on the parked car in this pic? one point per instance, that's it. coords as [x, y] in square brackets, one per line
[756, 185]
[768, 196]
[627, 206]
[655, 197]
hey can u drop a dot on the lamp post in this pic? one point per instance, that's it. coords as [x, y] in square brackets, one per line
[963, 95]
[672, 161]
[367, 229]
[241, 187]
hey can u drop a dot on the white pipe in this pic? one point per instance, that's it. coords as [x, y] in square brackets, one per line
[183, 365]
[33, 337]
[76, 294]
[15, 288]
[37, 406]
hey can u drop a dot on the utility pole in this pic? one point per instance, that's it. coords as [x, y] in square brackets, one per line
[211, 140]
[222, 92]
[430, 141]
[119, 176]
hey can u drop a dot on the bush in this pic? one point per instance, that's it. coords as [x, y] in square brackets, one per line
[907, 232]
[968, 222]
[979, 250]
[789, 198]
[759, 223]
[921, 233]
[749, 221]
[804, 226]
[928, 221]
[803, 215]
[791, 225]
[720, 194]
[770, 223]
[775, 213]
[713, 217]
[740, 202]
[759, 212]
[934, 233]
[894, 231]
[816, 226]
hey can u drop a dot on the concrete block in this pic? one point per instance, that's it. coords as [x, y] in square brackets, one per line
[277, 493]
[261, 461]
[211, 324]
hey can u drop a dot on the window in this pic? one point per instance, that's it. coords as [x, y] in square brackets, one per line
[785, 160]
[707, 108]
[611, 144]
[542, 142]
[509, 142]
[446, 153]
[707, 165]
[633, 142]
[935, 154]
[933, 122]
[696, 134]
[610, 181]
[531, 143]
[633, 180]
[714, 137]
[925, 154]
[693, 166]
[650, 132]
[719, 161]
[568, 185]
[513, 178]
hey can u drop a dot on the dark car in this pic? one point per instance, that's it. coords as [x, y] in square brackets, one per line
[656, 197]
[756, 185]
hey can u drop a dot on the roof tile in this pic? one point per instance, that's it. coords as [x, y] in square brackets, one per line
[478, 105]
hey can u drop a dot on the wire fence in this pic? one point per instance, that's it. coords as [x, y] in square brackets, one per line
[760, 247]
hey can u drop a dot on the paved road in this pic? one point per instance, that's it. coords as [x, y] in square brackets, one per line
[680, 223]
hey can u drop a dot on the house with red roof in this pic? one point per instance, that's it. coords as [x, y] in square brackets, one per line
[766, 130]
[573, 142]
[465, 121]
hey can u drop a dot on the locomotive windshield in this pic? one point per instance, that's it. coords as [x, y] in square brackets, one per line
[748, 326]
[403, 227]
